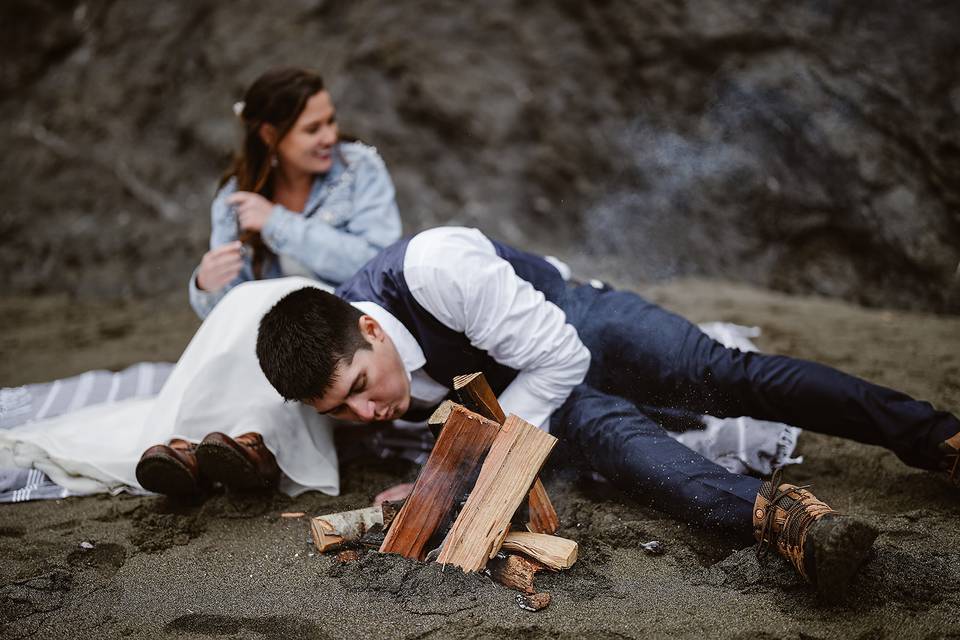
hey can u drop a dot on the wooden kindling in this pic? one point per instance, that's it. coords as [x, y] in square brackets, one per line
[514, 571]
[474, 393]
[436, 421]
[512, 464]
[334, 530]
[543, 517]
[445, 478]
[552, 551]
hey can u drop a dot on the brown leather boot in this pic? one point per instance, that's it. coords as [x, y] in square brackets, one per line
[242, 464]
[824, 546]
[951, 457]
[170, 469]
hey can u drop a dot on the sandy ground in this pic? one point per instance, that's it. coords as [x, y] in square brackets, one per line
[231, 567]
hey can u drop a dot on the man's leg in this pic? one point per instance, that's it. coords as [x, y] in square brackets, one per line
[655, 357]
[637, 455]
[634, 453]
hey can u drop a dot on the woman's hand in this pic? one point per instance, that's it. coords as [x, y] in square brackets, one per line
[253, 210]
[397, 492]
[220, 266]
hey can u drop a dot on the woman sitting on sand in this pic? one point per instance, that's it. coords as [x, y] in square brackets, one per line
[296, 201]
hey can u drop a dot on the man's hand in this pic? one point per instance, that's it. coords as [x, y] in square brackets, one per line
[220, 266]
[253, 210]
[397, 492]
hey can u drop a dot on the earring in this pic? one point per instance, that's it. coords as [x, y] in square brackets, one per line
[273, 160]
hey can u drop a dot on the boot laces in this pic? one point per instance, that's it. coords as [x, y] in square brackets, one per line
[793, 525]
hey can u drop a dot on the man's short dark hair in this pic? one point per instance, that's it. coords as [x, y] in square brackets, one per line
[303, 337]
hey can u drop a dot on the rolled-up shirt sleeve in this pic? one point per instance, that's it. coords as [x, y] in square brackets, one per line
[336, 253]
[456, 275]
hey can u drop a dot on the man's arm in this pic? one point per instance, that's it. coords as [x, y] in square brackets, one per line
[456, 275]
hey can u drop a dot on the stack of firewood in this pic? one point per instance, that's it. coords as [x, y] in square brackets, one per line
[477, 503]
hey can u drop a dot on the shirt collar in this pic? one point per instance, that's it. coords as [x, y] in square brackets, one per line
[410, 352]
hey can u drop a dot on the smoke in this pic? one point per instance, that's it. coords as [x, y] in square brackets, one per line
[660, 219]
[707, 198]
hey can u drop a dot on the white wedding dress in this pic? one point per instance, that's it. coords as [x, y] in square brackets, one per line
[216, 385]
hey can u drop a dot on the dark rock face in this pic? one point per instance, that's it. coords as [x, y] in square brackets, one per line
[811, 146]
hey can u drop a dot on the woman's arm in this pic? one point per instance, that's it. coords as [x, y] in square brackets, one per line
[336, 250]
[219, 260]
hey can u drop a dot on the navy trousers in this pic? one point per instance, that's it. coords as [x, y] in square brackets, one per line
[644, 357]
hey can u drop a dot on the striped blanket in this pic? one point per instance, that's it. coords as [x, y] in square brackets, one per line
[33, 402]
[20, 405]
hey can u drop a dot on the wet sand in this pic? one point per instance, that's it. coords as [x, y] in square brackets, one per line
[230, 567]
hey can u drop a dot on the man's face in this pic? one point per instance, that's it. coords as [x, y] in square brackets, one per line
[373, 386]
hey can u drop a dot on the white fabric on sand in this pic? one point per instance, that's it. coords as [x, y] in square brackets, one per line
[216, 385]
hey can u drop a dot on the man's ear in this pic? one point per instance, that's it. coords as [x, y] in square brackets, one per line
[268, 133]
[370, 329]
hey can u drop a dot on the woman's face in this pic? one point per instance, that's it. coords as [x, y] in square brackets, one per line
[308, 146]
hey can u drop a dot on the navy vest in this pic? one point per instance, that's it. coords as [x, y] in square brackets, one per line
[448, 353]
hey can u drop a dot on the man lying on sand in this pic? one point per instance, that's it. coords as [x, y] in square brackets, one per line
[595, 366]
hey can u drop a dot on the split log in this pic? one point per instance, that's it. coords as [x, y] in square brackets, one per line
[447, 475]
[436, 421]
[475, 394]
[514, 460]
[543, 517]
[552, 551]
[514, 571]
[336, 529]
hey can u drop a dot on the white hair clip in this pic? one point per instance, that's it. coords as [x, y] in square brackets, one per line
[238, 108]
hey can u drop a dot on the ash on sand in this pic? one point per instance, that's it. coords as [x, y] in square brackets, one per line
[231, 566]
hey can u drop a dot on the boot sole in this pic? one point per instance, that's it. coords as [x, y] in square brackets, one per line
[841, 544]
[167, 476]
[223, 464]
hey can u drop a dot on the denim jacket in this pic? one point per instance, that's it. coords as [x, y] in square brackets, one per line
[350, 215]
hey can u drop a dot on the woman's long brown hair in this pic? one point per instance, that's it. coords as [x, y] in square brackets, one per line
[277, 97]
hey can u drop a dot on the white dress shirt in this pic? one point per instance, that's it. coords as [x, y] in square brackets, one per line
[423, 388]
[455, 274]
